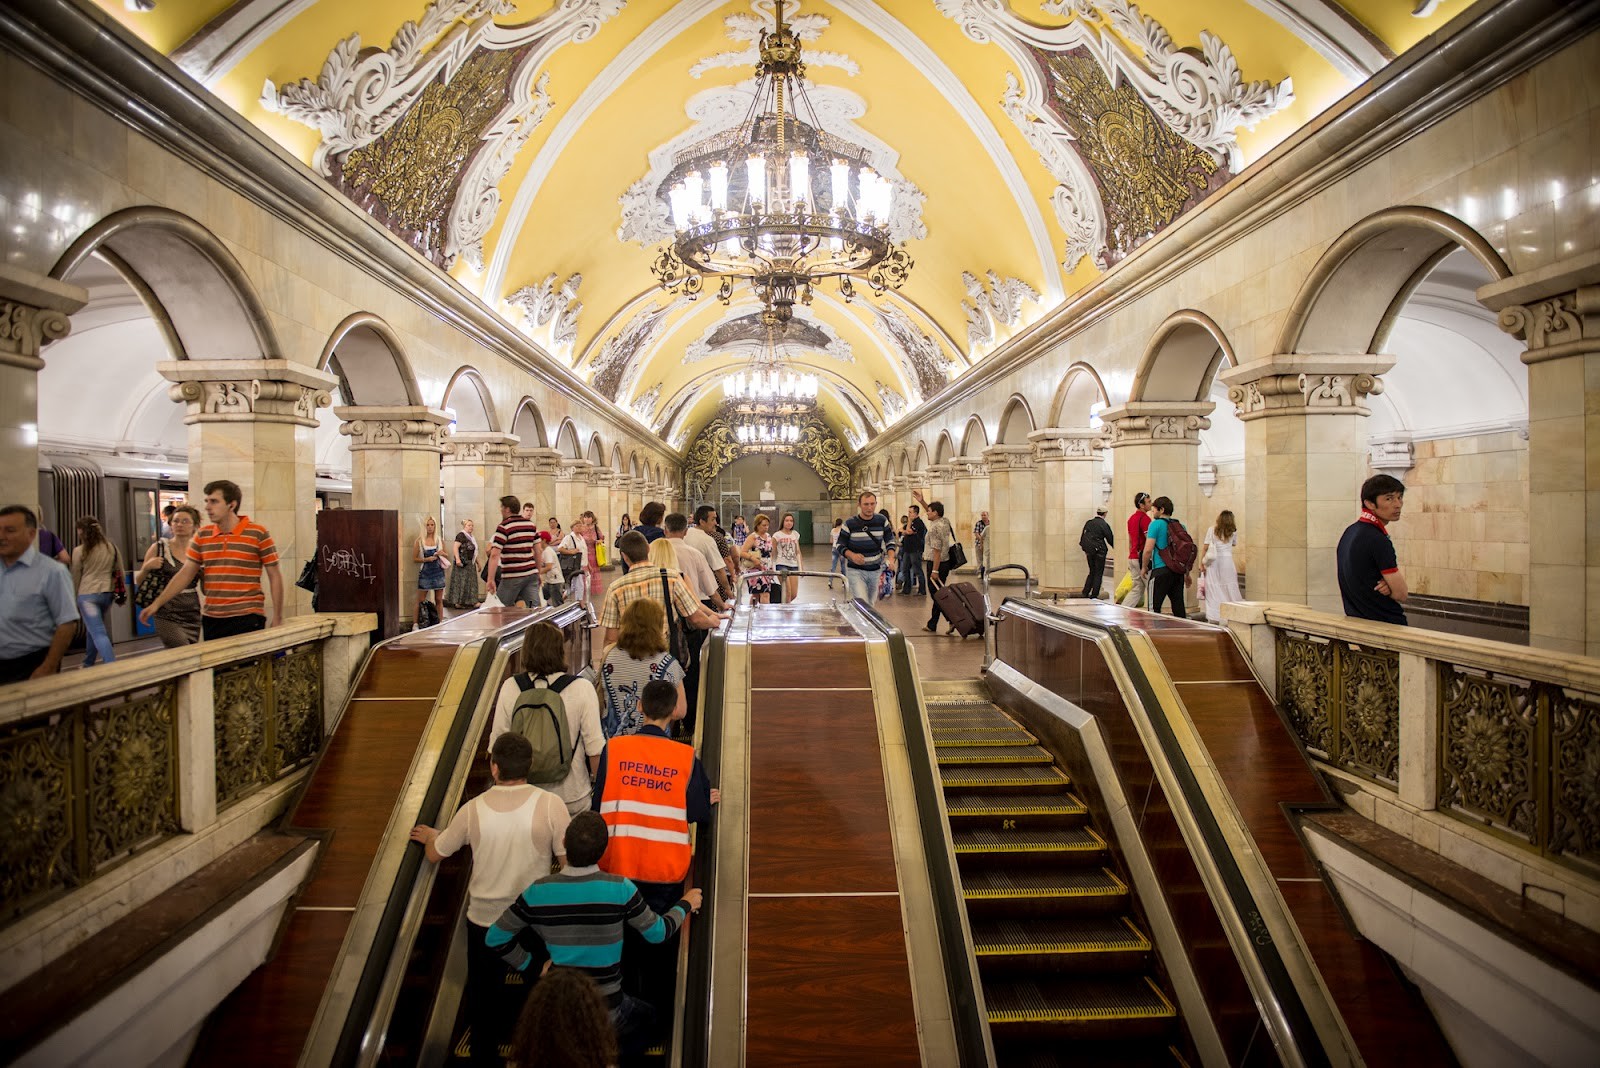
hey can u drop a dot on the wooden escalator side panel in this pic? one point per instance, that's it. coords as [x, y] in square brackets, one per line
[1269, 779]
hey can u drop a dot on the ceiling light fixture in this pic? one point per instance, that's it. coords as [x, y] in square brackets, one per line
[778, 201]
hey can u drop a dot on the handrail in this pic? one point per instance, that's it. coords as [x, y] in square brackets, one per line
[365, 1023]
[1278, 996]
[960, 968]
[990, 616]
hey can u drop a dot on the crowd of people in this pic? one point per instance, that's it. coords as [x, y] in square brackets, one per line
[1164, 560]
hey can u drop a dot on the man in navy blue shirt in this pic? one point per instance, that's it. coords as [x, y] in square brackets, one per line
[1370, 580]
[869, 545]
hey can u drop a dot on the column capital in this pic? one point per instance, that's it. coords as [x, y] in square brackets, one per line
[573, 470]
[1392, 454]
[968, 467]
[1554, 308]
[535, 461]
[478, 448]
[34, 309]
[1055, 444]
[400, 428]
[939, 472]
[1306, 384]
[1157, 422]
[1009, 458]
[601, 476]
[245, 391]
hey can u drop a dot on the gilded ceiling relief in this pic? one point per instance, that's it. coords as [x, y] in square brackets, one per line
[363, 95]
[1198, 95]
[715, 447]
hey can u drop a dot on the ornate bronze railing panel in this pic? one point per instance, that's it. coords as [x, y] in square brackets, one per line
[268, 719]
[1343, 701]
[85, 788]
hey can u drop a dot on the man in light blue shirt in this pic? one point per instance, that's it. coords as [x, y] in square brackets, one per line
[38, 609]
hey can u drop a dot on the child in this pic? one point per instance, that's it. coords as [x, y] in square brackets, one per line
[551, 583]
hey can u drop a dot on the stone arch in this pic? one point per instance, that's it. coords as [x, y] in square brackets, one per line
[476, 405]
[1080, 390]
[364, 353]
[618, 464]
[597, 450]
[658, 474]
[636, 466]
[1017, 422]
[975, 437]
[528, 426]
[1182, 359]
[945, 448]
[1349, 302]
[567, 441]
[193, 286]
[920, 460]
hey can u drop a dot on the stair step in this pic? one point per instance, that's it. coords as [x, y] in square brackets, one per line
[1000, 776]
[1057, 808]
[1050, 843]
[943, 736]
[1101, 943]
[993, 754]
[1112, 1053]
[1070, 1002]
[969, 717]
[1021, 886]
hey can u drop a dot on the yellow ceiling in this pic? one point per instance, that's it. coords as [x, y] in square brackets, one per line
[932, 95]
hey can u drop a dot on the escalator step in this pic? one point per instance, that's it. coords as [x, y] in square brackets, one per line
[957, 701]
[969, 719]
[982, 736]
[1061, 804]
[1075, 1001]
[1033, 884]
[993, 754]
[1065, 841]
[977, 776]
[1090, 935]
[1126, 1052]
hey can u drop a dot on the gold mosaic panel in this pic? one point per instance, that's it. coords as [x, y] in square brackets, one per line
[715, 447]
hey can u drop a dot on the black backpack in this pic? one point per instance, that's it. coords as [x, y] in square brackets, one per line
[427, 615]
[541, 717]
[1091, 540]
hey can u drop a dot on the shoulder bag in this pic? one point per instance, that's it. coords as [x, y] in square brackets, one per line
[152, 584]
[677, 640]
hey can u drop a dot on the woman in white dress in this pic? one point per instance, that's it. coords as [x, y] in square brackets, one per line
[1219, 576]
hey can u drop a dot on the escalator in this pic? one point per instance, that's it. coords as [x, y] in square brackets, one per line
[1068, 972]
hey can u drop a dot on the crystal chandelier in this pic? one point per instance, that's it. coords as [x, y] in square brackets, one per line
[779, 202]
[761, 404]
[766, 434]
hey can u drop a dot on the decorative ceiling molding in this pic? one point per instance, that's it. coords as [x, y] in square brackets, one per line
[361, 94]
[617, 366]
[545, 305]
[829, 342]
[749, 28]
[224, 42]
[997, 302]
[1335, 35]
[1202, 97]
[923, 360]
[891, 401]
[644, 405]
[857, 408]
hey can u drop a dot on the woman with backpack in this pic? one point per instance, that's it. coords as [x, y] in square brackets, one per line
[641, 655]
[429, 552]
[525, 704]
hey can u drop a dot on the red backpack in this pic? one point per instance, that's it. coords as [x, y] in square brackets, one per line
[1180, 553]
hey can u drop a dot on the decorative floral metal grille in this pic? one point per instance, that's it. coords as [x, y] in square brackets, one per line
[1575, 779]
[268, 720]
[82, 790]
[1344, 703]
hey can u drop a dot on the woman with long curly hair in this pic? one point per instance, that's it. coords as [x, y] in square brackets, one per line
[564, 1024]
[640, 656]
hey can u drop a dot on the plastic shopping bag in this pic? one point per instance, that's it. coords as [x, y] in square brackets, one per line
[492, 601]
[1123, 587]
[601, 557]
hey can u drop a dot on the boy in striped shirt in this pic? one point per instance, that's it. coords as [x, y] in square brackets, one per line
[579, 913]
[229, 557]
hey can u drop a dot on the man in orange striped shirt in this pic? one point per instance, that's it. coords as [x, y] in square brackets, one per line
[230, 556]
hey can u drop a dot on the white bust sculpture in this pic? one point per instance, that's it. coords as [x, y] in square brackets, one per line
[766, 492]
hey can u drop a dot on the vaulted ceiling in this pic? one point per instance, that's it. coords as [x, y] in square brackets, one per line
[521, 145]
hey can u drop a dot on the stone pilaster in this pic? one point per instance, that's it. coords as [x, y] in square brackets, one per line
[898, 497]
[940, 486]
[1155, 448]
[1013, 509]
[254, 422]
[394, 463]
[1305, 419]
[476, 473]
[1067, 487]
[572, 488]
[970, 476]
[619, 505]
[598, 501]
[34, 310]
[533, 478]
[1556, 312]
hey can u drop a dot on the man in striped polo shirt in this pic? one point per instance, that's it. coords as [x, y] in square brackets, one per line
[229, 557]
[515, 551]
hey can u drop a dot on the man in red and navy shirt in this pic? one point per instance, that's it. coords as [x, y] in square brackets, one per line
[1370, 580]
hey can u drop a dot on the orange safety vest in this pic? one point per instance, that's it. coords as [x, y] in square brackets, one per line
[646, 808]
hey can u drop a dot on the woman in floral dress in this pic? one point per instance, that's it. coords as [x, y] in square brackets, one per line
[589, 529]
[756, 554]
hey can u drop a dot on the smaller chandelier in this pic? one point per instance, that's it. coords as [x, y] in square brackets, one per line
[766, 435]
[771, 386]
[796, 205]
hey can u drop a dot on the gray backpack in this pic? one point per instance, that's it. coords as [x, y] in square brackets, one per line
[541, 717]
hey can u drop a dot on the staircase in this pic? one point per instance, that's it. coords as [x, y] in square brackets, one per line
[1068, 976]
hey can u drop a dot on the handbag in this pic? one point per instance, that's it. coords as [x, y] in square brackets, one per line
[677, 640]
[119, 584]
[150, 587]
[957, 556]
[308, 576]
[601, 557]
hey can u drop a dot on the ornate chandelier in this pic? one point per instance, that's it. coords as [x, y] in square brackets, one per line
[766, 434]
[761, 404]
[796, 205]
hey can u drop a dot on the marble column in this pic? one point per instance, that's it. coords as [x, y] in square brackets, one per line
[598, 501]
[1305, 457]
[1155, 448]
[1067, 487]
[254, 422]
[476, 473]
[1015, 521]
[618, 493]
[394, 461]
[940, 486]
[971, 497]
[533, 478]
[572, 488]
[1557, 314]
[34, 310]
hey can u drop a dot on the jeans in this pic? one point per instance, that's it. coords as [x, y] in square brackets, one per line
[911, 574]
[1097, 573]
[862, 583]
[837, 564]
[91, 609]
[1164, 584]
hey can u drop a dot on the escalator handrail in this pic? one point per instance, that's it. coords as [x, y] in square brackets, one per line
[966, 1001]
[358, 1033]
[1282, 1003]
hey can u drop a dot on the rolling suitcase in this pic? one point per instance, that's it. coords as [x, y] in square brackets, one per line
[963, 606]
